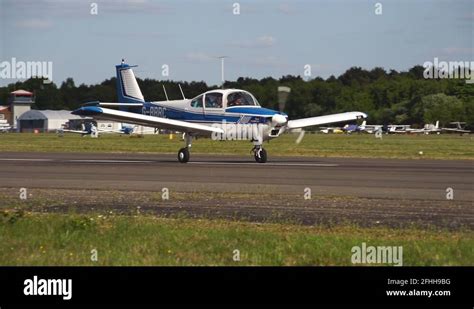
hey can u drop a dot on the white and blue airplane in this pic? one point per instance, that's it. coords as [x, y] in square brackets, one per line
[208, 114]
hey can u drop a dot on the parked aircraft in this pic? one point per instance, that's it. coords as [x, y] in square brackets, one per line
[92, 130]
[4, 126]
[456, 127]
[372, 128]
[428, 128]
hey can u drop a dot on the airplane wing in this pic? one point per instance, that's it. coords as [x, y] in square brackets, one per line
[455, 130]
[145, 120]
[315, 121]
[74, 131]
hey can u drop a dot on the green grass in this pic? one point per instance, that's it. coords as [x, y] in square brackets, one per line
[317, 145]
[67, 239]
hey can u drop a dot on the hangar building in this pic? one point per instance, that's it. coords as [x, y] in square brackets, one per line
[44, 120]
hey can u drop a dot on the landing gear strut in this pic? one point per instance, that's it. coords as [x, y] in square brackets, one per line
[259, 153]
[183, 153]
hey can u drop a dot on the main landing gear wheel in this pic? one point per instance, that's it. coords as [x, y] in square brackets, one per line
[260, 155]
[183, 155]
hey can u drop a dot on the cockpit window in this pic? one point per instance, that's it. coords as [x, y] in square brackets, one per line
[214, 100]
[240, 98]
[197, 102]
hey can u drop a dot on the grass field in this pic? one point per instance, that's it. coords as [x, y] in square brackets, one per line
[69, 239]
[317, 145]
[35, 238]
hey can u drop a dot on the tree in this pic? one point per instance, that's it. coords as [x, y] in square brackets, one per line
[443, 108]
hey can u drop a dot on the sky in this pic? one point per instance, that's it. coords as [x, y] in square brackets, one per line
[267, 38]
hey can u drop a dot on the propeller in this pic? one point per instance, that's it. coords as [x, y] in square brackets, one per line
[283, 93]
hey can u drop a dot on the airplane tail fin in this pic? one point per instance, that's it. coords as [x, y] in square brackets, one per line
[437, 124]
[128, 90]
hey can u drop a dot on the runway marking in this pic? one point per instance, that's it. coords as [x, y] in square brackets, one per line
[32, 160]
[76, 160]
[266, 164]
[150, 161]
[109, 161]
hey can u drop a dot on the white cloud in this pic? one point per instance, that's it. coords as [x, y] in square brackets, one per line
[266, 61]
[35, 23]
[266, 41]
[198, 56]
[458, 51]
[260, 42]
[286, 9]
[81, 9]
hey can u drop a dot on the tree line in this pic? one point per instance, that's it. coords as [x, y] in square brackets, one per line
[388, 97]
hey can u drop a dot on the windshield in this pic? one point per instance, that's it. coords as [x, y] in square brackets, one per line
[239, 98]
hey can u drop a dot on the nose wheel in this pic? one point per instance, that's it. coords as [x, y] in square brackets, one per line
[183, 153]
[260, 154]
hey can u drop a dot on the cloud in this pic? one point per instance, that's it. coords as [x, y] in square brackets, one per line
[134, 6]
[81, 8]
[286, 9]
[457, 51]
[260, 42]
[34, 23]
[198, 57]
[266, 41]
[469, 17]
[266, 61]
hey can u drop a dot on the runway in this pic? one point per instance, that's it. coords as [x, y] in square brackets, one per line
[382, 182]
[414, 179]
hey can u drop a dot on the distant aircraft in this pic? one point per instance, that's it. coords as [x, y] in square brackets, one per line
[371, 128]
[92, 130]
[335, 130]
[219, 113]
[400, 129]
[4, 126]
[459, 128]
[428, 128]
[350, 128]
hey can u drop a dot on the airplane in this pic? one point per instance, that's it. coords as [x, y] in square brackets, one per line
[350, 128]
[400, 129]
[217, 113]
[87, 129]
[371, 128]
[4, 126]
[92, 130]
[457, 129]
[428, 128]
[363, 127]
[334, 130]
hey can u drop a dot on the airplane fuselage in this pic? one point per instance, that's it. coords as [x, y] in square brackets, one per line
[238, 118]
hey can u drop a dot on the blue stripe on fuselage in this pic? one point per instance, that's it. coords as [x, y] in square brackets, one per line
[255, 114]
[253, 111]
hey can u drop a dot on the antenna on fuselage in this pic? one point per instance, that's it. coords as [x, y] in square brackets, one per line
[222, 70]
[182, 93]
[166, 95]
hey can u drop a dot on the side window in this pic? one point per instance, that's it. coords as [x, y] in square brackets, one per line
[197, 102]
[214, 100]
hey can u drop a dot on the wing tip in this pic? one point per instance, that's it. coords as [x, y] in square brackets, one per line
[87, 111]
